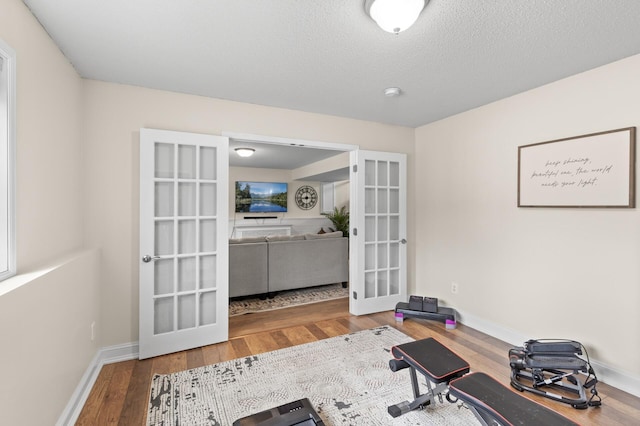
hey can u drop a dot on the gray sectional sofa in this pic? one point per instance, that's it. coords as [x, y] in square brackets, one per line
[262, 265]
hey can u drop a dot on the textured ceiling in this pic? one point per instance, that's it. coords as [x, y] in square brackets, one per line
[329, 57]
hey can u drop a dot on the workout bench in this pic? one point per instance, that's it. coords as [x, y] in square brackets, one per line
[491, 402]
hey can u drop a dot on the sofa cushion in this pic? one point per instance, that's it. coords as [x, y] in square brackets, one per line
[247, 240]
[299, 264]
[285, 237]
[336, 234]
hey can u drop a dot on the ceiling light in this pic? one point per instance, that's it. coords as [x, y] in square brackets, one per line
[245, 152]
[392, 91]
[394, 16]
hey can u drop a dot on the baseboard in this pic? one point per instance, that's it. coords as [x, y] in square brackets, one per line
[622, 380]
[104, 356]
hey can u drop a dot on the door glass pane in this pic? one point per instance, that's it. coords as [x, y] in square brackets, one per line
[369, 285]
[186, 199]
[208, 308]
[382, 228]
[382, 200]
[207, 271]
[369, 173]
[382, 173]
[394, 255]
[186, 162]
[186, 236]
[163, 237]
[394, 281]
[382, 256]
[394, 173]
[207, 163]
[369, 200]
[370, 228]
[163, 315]
[394, 228]
[382, 283]
[163, 160]
[187, 274]
[208, 199]
[186, 311]
[369, 257]
[163, 276]
[394, 201]
[208, 235]
[164, 199]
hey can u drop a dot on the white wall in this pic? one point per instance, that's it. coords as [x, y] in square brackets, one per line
[113, 116]
[543, 272]
[342, 194]
[47, 309]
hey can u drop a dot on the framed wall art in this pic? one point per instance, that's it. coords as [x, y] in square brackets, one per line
[594, 170]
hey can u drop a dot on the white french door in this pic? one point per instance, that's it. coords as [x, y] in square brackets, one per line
[183, 241]
[378, 216]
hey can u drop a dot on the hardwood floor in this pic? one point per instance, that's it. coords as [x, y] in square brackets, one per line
[120, 394]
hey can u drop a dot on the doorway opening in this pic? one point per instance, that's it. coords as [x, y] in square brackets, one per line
[319, 168]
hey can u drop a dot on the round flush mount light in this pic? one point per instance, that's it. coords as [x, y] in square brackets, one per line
[394, 16]
[245, 152]
[392, 92]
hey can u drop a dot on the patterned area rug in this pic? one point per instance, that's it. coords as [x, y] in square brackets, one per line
[286, 299]
[346, 378]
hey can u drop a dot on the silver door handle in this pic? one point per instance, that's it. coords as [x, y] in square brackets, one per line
[403, 241]
[146, 258]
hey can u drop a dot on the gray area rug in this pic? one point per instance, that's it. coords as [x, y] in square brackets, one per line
[346, 378]
[287, 299]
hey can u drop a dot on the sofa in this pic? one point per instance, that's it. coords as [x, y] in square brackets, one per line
[264, 265]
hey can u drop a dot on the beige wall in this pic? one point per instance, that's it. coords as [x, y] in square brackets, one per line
[113, 116]
[544, 272]
[46, 339]
[45, 321]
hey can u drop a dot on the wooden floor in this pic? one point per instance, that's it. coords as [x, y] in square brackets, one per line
[120, 394]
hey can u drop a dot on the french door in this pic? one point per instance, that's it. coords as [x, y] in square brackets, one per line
[183, 241]
[377, 244]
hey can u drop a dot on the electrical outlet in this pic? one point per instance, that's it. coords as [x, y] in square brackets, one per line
[454, 287]
[93, 331]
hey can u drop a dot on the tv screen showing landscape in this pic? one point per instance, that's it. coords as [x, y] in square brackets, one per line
[261, 197]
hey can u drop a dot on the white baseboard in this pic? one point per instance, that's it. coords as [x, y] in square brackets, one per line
[622, 380]
[104, 356]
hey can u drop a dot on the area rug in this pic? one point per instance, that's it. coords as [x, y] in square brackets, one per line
[346, 378]
[287, 299]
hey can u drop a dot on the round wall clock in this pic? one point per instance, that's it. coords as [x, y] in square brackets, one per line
[306, 197]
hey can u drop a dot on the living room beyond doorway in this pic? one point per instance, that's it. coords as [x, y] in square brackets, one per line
[298, 164]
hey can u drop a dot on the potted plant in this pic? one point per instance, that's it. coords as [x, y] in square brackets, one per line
[340, 219]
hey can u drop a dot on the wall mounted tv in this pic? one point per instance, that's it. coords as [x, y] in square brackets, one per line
[261, 197]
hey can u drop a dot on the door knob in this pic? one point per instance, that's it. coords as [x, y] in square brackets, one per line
[403, 241]
[146, 258]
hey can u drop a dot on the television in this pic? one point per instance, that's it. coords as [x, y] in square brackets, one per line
[261, 197]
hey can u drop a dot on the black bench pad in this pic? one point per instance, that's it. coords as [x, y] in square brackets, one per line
[489, 396]
[432, 359]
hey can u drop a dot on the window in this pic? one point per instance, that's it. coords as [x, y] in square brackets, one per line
[7, 160]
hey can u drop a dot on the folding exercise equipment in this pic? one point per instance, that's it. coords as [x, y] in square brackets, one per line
[553, 369]
[491, 402]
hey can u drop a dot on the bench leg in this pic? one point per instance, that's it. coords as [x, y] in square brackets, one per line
[421, 400]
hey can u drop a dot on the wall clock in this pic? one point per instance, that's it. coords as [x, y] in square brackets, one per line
[306, 197]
